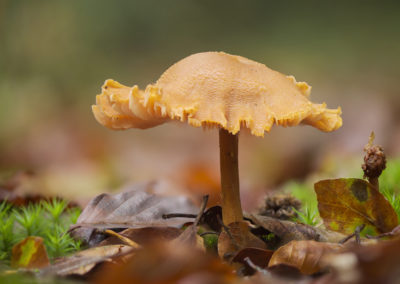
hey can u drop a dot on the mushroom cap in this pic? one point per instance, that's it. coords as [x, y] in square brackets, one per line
[215, 89]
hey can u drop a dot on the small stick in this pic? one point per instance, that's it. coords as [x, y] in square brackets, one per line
[202, 209]
[185, 215]
[125, 240]
[392, 233]
[178, 215]
[356, 234]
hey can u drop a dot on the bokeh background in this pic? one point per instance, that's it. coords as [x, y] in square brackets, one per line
[55, 55]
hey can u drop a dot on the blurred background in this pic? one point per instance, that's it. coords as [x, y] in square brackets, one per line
[55, 55]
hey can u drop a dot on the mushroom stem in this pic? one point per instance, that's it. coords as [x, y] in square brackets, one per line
[228, 149]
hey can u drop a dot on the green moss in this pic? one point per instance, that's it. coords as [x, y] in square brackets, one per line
[268, 237]
[389, 184]
[210, 242]
[308, 213]
[49, 220]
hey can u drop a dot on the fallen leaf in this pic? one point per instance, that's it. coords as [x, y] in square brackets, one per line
[82, 262]
[189, 237]
[210, 218]
[376, 263]
[164, 263]
[131, 209]
[29, 253]
[287, 231]
[259, 257]
[303, 255]
[235, 237]
[285, 271]
[345, 204]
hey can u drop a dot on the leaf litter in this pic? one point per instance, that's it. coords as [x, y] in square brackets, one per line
[136, 236]
[130, 209]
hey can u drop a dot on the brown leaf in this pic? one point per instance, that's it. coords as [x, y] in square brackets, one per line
[82, 262]
[376, 263]
[163, 263]
[345, 204]
[286, 272]
[235, 237]
[304, 255]
[189, 237]
[288, 231]
[131, 209]
[210, 218]
[29, 253]
[259, 257]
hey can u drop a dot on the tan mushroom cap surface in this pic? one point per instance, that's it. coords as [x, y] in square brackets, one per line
[215, 89]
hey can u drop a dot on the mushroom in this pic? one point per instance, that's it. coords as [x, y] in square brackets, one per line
[216, 89]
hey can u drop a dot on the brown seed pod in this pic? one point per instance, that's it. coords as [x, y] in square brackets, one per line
[374, 161]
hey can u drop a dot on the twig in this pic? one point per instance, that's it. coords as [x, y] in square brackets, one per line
[392, 233]
[356, 234]
[178, 215]
[125, 240]
[202, 209]
[185, 215]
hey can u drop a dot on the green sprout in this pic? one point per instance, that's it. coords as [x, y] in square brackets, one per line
[308, 216]
[31, 219]
[55, 208]
[59, 242]
[73, 214]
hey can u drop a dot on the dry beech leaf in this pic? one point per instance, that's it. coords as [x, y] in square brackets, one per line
[377, 263]
[232, 240]
[165, 263]
[211, 218]
[130, 209]
[189, 237]
[82, 262]
[29, 253]
[304, 255]
[345, 204]
[288, 231]
[259, 257]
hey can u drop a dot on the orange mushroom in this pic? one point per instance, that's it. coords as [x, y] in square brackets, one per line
[222, 90]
